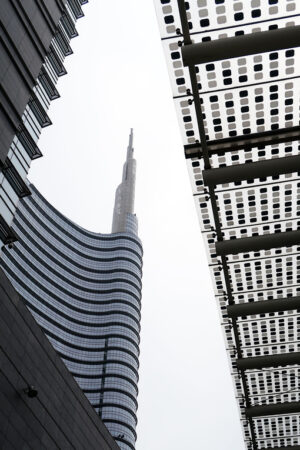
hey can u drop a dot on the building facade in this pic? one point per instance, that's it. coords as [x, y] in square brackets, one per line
[84, 289]
[35, 39]
[234, 76]
[42, 406]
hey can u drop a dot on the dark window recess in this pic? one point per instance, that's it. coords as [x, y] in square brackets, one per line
[229, 104]
[48, 84]
[56, 62]
[76, 9]
[28, 143]
[238, 16]
[39, 112]
[213, 98]
[227, 81]
[190, 133]
[289, 53]
[62, 42]
[227, 73]
[175, 55]
[245, 109]
[210, 67]
[7, 235]
[187, 119]
[68, 25]
[274, 73]
[258, 67]
[273, 56]
[14, 179]
[243, 78]
[243, 93]
[274, 112]
[204, 22]
[274, 88]
[169, 19]
[180, 81]
[259, 99]
[164, 2]
[256, 13]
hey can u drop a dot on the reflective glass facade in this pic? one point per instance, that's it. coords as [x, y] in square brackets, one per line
[84, 289]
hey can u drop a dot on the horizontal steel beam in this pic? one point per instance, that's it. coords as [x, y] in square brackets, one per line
[259, 169]
[247, 44]
[273, 410]
[260, 362]
[256, 243]
[262, 307]
[245, 142]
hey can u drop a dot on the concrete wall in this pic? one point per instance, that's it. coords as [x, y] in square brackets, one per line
[60, 417]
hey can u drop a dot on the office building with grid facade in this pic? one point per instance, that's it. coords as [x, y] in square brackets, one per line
[234, 69]
[84, 290]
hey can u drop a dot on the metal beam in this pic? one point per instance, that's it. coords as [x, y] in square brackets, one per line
[273, 409]
[259, 169]
[182, 5]
[256, 243]
[245, 142]
[262, 307]
[260, 362]
[247, 44]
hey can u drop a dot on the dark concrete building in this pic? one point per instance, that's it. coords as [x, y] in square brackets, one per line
[59, 416]
[34, 41]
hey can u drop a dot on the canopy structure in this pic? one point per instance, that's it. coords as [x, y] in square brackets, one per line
[235, 85]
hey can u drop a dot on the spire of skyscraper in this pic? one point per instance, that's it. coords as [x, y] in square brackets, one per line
[123, 217]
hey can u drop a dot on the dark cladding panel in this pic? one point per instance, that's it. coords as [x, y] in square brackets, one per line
[60, 416]
[26, 31]
[6, 132]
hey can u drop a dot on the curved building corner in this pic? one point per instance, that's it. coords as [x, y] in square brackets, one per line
[84, 289]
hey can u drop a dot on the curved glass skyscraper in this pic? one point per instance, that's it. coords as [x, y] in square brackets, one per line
[84, 289]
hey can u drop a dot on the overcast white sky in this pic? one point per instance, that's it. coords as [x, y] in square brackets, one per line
[117, 79]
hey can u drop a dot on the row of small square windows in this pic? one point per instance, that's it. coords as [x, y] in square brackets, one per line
[244, 109]
[238, 16]
[227, 72]
[272, 349]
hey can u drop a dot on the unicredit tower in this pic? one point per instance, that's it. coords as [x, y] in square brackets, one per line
[84, 290]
